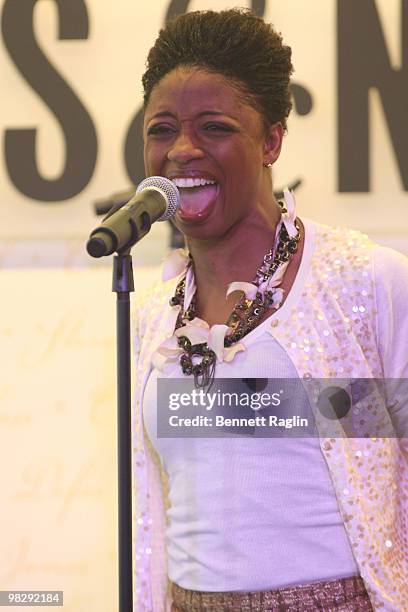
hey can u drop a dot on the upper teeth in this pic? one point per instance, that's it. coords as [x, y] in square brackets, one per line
[192, 182]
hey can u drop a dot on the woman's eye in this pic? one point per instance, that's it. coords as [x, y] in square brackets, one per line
[159, 130]
[220, 127]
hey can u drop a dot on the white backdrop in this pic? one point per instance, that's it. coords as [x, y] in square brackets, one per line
[58, 516]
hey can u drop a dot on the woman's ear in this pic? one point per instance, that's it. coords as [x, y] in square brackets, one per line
[273, 143]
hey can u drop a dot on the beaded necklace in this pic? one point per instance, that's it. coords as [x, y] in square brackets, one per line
[245, 315]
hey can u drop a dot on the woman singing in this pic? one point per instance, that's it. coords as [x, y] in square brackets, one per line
[267, 523]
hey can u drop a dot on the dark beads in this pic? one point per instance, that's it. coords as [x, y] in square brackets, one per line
[268, 298]
[199, 369]
[292, 246]
[184, 343]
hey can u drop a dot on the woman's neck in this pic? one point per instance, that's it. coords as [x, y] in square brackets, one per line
[235, 257]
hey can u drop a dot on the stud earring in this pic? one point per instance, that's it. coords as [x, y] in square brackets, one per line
[268, 165]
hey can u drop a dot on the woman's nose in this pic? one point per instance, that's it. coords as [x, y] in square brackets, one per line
[184, 148]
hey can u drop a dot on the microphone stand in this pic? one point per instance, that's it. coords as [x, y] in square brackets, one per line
[122, 285]
[133, 222]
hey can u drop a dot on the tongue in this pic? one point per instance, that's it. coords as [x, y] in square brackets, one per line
[195, 200]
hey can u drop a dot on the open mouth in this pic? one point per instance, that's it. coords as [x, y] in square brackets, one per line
[197, 197]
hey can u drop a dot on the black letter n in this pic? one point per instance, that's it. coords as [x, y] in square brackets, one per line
[363, 63]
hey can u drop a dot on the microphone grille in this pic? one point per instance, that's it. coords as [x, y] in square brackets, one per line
[169, 190]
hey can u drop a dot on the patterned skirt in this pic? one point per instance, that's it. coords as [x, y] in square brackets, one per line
[344, 595]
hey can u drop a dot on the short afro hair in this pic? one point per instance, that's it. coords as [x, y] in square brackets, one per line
[234, 43]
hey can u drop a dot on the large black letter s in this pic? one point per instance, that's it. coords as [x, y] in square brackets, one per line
[75, 121]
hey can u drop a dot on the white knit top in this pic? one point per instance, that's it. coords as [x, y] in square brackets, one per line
[248, 513]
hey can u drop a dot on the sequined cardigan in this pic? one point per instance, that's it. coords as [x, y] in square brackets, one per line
[349, 319]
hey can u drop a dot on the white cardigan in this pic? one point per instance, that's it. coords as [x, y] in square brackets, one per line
[346, 316]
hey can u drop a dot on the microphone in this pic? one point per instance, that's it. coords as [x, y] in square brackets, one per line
[156, 199]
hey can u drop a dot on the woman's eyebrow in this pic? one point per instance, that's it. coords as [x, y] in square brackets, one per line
[201, 114]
